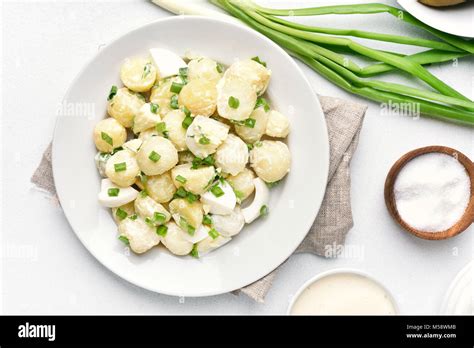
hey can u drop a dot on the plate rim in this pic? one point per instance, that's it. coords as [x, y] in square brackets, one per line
[324, 164]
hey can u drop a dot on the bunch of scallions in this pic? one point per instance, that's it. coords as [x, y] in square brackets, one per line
[324, 49]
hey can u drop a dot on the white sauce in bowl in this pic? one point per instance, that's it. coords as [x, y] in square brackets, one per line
[343, 293]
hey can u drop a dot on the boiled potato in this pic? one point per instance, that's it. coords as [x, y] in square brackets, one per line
[176, 132]
[242, 183]
[193, 180]
[146, 207]
[122, 168]
[251, 135]
[124, 106]
[252, 72]
[138, 74]
[271, 160]
[161, 95]
[109, 134]
[199, 96]
[232, 156]
[141, 236]
[204, 68]
[145, 118]
[204, 135]
[175, 241]
[236, 98]
[229, 225]
[185, 157]
[156, 156]
[186, 212]
[160, 187]
[148, 133]
[128, 209]
[278, 125]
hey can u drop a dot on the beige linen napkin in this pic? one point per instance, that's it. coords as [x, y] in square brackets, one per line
[344, 121]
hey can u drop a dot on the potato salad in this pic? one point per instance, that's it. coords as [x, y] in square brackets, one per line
[189, 151]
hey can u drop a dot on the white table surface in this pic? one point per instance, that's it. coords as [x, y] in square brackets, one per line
[46, 270]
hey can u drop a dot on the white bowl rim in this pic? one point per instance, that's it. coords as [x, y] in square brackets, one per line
[454, 283]
[342, 270]
[325, 155]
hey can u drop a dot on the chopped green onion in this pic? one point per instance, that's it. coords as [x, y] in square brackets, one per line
[208, 161]
[146, 70]
[117, 149]
[133, 217]
[174, 102]
[112, 93]
[250, 122]
[120, 167]
[257, 59]
[213, 233]
[185, 226]
[113, 192]
[107, 138]
[181, 192]
[186, 111]
[121, 214]
[154, 108]
[219, 68]
[181, 179]
[162, 230]
[143, 193]
[153, 156]
[176, 87]
[206, 220]
[194, 252]
[191, 197]
[204, 140]
[149, 221]
[238, 194]
[273, 184]
[124, 240]
[263, 210]
[233, 102]
[258, 144]
[217, 191]
[187, 122]
[160, 127]
[143, 178]
[262, 102]
[250, 147]
[159, 217]
[183, 72]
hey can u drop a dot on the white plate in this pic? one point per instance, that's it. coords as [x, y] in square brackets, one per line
[261, 246]
[460, 295]
[456, 20]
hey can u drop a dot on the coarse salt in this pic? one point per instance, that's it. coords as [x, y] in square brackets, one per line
[432, 192]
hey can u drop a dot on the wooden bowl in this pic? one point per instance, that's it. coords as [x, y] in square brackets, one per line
[465, 221]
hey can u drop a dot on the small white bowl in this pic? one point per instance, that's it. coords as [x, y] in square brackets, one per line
[341, 271]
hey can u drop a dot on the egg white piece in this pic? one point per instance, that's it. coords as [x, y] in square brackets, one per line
[229, 225]
[124, 196]
[262, 194]
[201, 233]
[223, 205]
[168, 63]
[207, 245]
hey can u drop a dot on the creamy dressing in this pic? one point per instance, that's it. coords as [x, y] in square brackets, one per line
[343, 293]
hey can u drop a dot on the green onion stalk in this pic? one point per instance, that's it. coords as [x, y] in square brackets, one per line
[321, 53]
[343, 73]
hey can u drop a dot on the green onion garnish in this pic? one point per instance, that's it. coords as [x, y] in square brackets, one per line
[257, 59]
[124, 240]
[233, 102]
[107, 138]
[263, 210]
[219, 68]
[120, 167]
[162, 230]
[181, 179]
[186, 111]
[149, 221]
[250, 122]
[133, 217]
[204, 140]
[208, 161]
[160, 127]
[206, 220]
[154, 156]
[213, 233]
[181, 192]
[217, 191]
[143, 193]
[121, 214]
[112, 93]
[250, 147]
[183, 72]
[273, 184]
[187, 122]
[194, 253]
[159, 217]
[146, 70]
[262, 102]
[238, 194]
[258, 144]
[113, 192]
[143, 178]
[174, 102]
[176, 87]
[191, 197]
[154, 107]
[185, 226]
